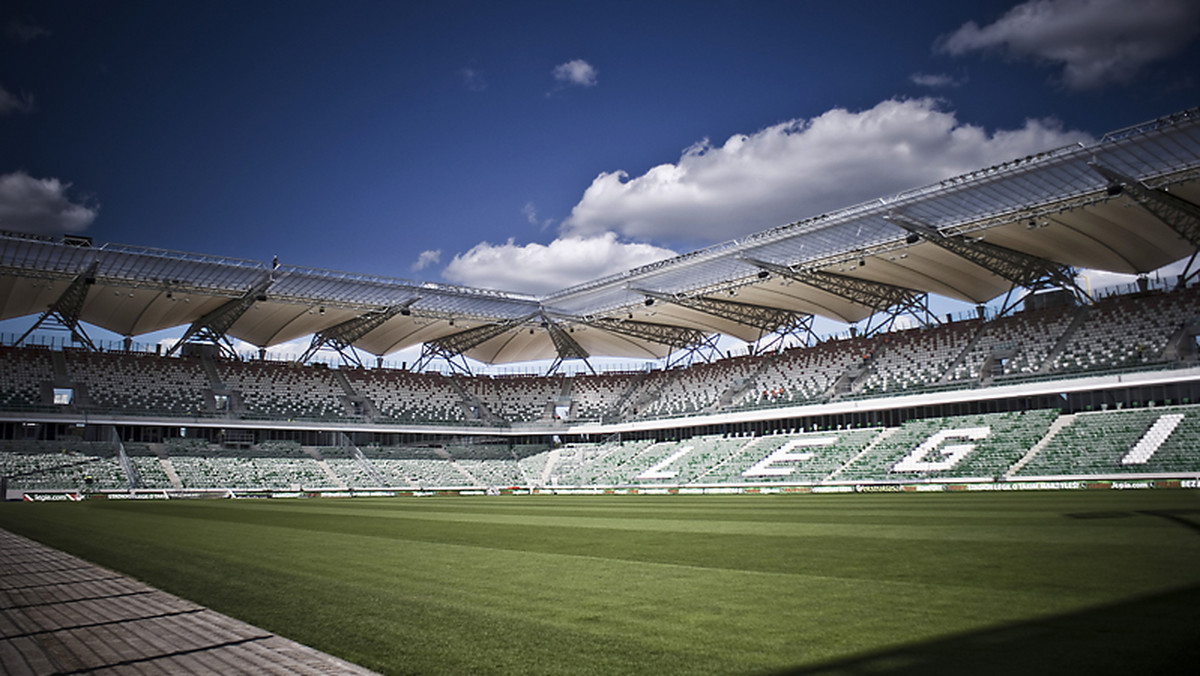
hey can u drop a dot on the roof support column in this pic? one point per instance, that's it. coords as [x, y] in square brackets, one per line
[66, 310]
[341, 337]
[212, 327]
[888, 299]
[1019, 268]
[451, 347]
[765, 319]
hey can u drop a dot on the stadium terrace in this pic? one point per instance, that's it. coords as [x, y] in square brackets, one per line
[1058, 387]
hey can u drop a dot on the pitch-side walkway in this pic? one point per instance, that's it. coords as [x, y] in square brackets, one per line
[62, 615]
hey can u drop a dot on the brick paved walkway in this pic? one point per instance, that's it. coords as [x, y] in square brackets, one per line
[62, 615]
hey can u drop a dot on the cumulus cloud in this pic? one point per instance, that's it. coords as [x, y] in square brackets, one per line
[531, 214]
[10, 103]
[473, 79]
[800, 168]
[427, 258]
[542, 268]
[1097, 42]
[576, 72]
[936, 80]
[41, 206]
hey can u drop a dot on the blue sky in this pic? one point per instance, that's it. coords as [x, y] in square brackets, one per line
[528, 146]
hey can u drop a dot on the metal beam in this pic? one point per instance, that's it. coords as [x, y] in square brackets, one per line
[212, 327]
[1177, 213]
[765, 319]
[68, 307]
[874, 295]
[565, 345]
[341, 337]
[674, 337]
[801, 329]
[1017, 267]
[451, 347]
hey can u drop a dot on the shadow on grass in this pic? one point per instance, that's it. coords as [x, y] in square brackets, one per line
[1157, 634]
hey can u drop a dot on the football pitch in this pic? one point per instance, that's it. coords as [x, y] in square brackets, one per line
[1046, 582]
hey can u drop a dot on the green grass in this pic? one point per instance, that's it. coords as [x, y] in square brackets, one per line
[1094, 582]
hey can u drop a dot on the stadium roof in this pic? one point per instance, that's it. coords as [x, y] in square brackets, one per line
[1127, 204]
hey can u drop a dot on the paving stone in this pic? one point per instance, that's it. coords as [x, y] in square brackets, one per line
[61, 615]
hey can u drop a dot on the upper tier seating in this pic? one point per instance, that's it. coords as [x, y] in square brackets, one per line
[695, 388]
[596, 395]
[22, 372]
[1125, 331]
[1026, 339]
[405, 397]
[284, 390]
[918, 358]
[516, 398]
[140, 383]
[805, 374]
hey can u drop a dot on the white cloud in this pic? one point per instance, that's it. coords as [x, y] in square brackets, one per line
[1097, 42]
[936, 80]
[41, 205]
[576, 72]
[800, 168]
[543, 268]
[531, 214]
[427, 258]
[473, 79]
[11, 103]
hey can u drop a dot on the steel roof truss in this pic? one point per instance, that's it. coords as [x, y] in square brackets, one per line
[1177, 213]
[674, 337]
[213, 326]
[765, 319]
[66, 310]
[1015, 266]
[565, 345]
[341, 337]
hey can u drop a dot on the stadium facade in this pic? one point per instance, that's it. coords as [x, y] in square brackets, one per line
[1055, 383]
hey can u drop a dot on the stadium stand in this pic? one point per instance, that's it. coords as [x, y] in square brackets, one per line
[1150, 441]
[1013, 345]
[977, 446]
[697, 388]
[272, 465]
[806, 374]
[65, 464]
[286, 391]
[140, 383]
[1146, 329]
[406, 397]
[918, 358]
[790, 457]
[414, 467]
[349, 468]
[1128, 331]
[516, 398]
[148, 466]
[23, 371]
[597, 396]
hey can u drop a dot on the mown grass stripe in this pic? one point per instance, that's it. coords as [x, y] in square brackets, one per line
[495, 589]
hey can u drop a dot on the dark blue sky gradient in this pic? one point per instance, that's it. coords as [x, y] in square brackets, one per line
[344, 135]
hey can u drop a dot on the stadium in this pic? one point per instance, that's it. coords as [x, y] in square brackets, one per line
[1064, 394]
